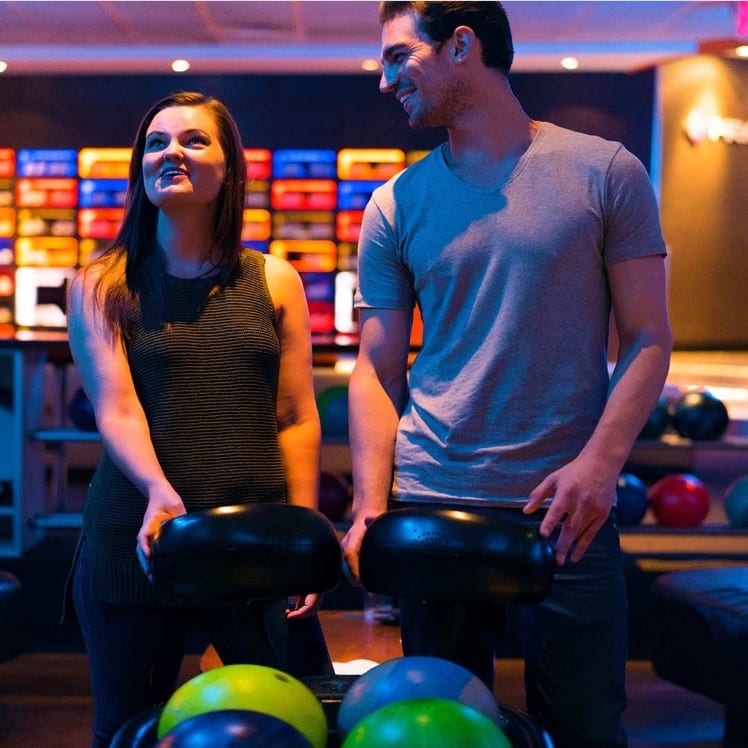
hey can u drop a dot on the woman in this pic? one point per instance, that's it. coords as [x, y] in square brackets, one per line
[196, 356]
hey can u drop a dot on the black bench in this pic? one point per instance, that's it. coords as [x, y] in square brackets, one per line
[699, 629]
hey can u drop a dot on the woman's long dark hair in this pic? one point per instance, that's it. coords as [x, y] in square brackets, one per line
[132, 265]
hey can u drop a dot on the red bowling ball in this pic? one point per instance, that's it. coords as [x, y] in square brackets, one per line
[680, 500]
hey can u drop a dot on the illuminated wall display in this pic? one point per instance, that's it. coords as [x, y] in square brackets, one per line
[700, 126]
[704, 172]
[60, 207]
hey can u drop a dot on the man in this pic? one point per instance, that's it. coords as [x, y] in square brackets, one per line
[516, 239]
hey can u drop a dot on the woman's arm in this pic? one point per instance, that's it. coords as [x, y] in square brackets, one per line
[101, 360]
[298, 419]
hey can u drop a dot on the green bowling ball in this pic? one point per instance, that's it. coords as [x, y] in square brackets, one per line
[252, 687]
[426, 723]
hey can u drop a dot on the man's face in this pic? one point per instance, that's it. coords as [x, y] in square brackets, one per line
[418, 72]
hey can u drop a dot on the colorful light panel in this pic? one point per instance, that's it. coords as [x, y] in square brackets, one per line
[61, 208]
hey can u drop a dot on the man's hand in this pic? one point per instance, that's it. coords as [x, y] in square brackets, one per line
[583, 495]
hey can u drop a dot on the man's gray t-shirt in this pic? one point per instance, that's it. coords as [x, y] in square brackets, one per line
[511, 282]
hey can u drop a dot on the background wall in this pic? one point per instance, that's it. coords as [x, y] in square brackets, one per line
[276, 111]
[704, 201]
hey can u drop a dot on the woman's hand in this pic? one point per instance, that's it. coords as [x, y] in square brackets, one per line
[160, 509]
[301, 606]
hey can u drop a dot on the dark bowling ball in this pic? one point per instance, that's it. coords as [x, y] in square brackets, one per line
[679, 500]
[233, 728]
[333, 496]
[140, 731]
[631, 500]
[81, 411]
[699, 415]
[658, 421]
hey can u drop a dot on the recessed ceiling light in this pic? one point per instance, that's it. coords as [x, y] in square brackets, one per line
[370, 64]
[3, 66]
[569, 63]
[180, 66]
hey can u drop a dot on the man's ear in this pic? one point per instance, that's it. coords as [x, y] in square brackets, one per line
[463, 40]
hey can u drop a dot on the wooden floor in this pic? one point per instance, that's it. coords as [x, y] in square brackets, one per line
[45, 699]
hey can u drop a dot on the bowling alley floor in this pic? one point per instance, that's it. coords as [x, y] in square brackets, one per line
[45, 698]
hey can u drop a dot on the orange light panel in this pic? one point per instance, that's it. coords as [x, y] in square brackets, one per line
[370, 163]
[7, 222]
[47, 251]
[104, 163]
[306, 256]
[256, 225]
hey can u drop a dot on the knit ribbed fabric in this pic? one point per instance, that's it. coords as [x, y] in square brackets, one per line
[208, 384]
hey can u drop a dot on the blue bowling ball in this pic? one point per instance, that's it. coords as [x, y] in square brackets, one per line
[631, 500]
[414, 678]
[140, 731]
[234, 728]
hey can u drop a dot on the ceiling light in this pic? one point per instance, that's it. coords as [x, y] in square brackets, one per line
[180, 66]
[569, 63]
[3, 66]
[370, 64]
[742, 50]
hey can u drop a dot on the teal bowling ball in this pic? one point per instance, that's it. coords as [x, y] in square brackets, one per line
[632, 501]
[332, 405]
[410, 678]
[736, 502]
[426, 723]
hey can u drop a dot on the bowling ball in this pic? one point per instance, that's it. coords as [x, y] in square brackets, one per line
[81, 412]
[658, 421]
[679, 500]
[736, 502]
[332, 405]
[631, 500]
[333, 496]
[426, 723]
[699, 415]
[253, 687]
[411, 678]
[234, 728]
[140, 731]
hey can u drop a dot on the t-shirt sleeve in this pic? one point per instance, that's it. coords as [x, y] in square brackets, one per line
[384, 281]
[632, 221]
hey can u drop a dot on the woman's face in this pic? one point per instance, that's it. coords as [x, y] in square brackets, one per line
[183, 162]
